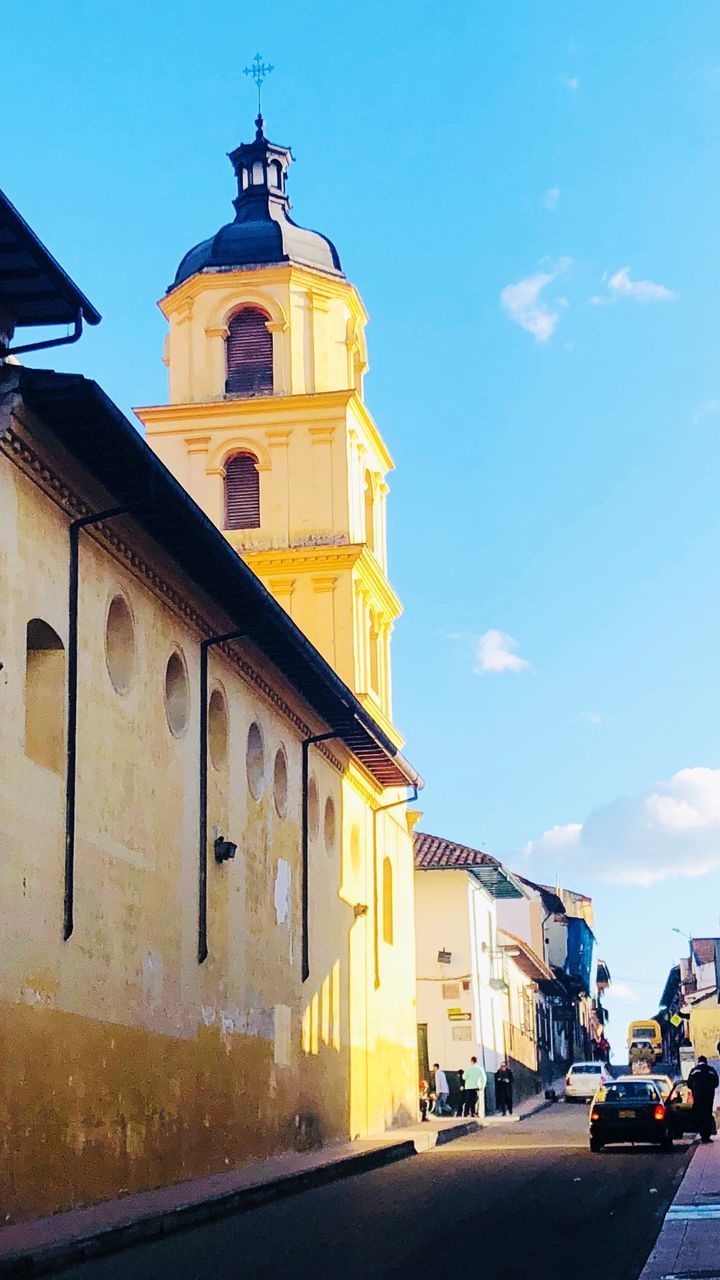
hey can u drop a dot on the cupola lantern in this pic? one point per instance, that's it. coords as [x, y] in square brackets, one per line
[262, 232]
[260, 168]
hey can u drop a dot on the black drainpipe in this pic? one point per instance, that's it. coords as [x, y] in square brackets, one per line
[71, 765]
[47, 342]
[307, 743]
[202, 850]
[382, 808]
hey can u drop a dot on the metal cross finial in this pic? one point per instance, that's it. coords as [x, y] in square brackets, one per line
[259, 71]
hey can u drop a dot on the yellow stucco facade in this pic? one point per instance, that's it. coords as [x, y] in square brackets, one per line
[321, 544]
[129, 1064]
[134, 1060]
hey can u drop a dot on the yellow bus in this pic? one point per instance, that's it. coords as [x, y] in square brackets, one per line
[645, 1042]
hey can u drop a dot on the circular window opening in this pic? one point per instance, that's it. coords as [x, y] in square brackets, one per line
[280, 782]
[329, 824]
[313, 810]
[255, 760]
[120, 644]
[177, 694]
[218, 729]
[355, 849]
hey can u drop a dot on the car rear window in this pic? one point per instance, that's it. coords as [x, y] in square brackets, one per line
[586, 1069]
[638, 1090]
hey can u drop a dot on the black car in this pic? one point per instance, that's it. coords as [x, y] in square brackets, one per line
[629, 1111]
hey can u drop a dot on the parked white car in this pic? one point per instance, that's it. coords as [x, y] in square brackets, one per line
[583, 1078]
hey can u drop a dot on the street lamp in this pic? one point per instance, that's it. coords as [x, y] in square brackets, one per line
[685, 935]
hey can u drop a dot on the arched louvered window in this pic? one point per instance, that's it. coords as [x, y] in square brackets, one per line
[242, 492]
[249, 354]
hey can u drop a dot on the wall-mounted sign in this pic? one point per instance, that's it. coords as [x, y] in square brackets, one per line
[687, 1060]
[457, 1015]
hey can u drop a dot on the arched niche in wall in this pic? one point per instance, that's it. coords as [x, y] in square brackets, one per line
[44, 696]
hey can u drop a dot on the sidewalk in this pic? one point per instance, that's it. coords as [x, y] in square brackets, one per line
[529, 1106]
[44, 1245]
[689, 1241]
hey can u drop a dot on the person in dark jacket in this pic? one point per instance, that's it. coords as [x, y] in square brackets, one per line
[703, 1081]
[504, 1080]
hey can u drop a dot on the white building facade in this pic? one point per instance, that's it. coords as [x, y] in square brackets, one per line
[475, 984]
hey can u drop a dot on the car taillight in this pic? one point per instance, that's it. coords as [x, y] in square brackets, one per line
[594, 1115]
[567, 1078]
[659, 1112]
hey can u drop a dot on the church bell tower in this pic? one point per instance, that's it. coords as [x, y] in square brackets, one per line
[267, 427]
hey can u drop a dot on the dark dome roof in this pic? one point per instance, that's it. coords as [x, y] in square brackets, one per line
[263, 235]
[262, 232]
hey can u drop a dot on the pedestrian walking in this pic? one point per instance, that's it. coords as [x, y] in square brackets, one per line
[703, 1081]
[442, 1091]
[504, 1080]
[475, 1081]
[457, 1097]
[424, 1099]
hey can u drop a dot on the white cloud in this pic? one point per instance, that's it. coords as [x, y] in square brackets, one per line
[593, 717]
[621, 991]
[706, 410]
[558, 839]
[670, 832]
[522, 302]
[495, 651]
[570, 82]
[620, 285]
[550, 198]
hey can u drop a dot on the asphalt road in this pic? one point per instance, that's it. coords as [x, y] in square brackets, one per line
[525, 1201]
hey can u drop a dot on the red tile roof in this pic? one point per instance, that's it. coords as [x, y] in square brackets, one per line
[527, 960]
[434, 853]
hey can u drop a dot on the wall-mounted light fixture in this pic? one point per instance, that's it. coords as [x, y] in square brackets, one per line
[360, 909]
[224, 849]
[444, 957]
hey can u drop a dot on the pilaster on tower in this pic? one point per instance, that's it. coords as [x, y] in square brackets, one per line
[266, 424]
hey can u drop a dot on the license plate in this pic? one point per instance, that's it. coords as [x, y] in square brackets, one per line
[627, 1115]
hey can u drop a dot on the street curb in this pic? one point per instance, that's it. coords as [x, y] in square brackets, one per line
[184, 1217]
[459, 1131]
[541, 1106]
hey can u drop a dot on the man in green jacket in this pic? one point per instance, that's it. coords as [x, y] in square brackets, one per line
[475, 1081]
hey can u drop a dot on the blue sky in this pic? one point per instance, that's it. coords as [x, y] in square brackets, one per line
[526, 195]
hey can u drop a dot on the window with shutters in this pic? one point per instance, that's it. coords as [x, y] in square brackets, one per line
[242, 492]
[249, 354]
